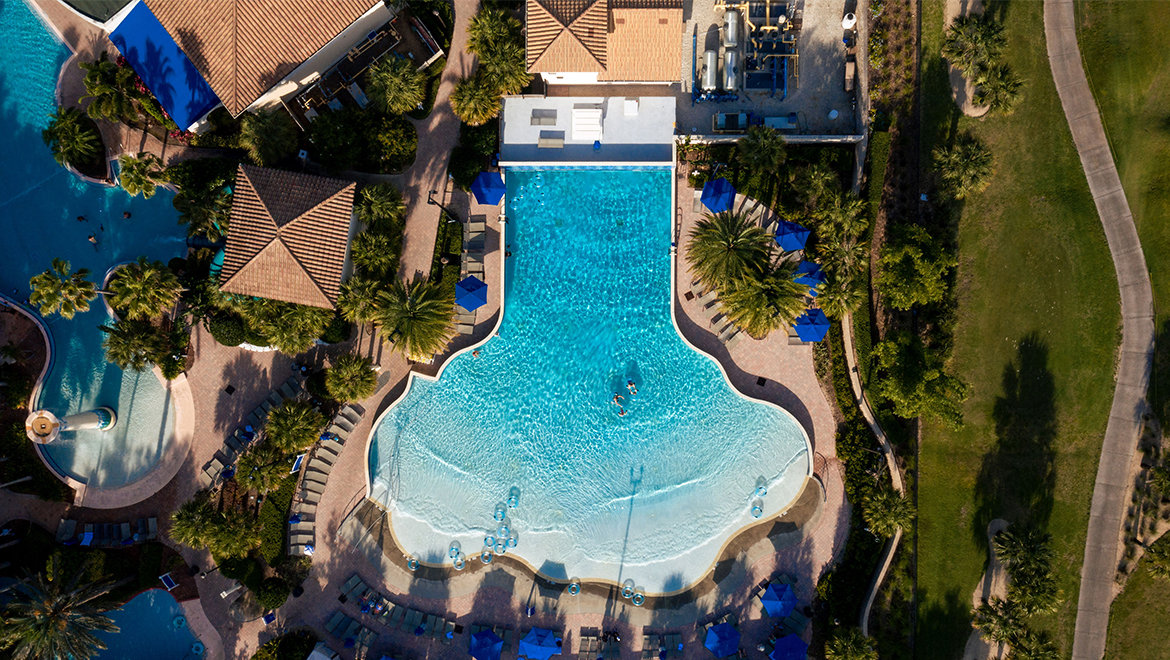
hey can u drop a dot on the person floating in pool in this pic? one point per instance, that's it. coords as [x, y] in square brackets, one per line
[621, 411]
[617, 398]
[632, 388]
[93, 239]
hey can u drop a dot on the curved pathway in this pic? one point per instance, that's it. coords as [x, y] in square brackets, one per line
[1103, 544]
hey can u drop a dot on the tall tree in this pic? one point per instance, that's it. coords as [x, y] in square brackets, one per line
[268, 135]
[1157, 558]
[197, 524]
[914, 267]
[395, 85]
[497, 39]
[998, 620]
[133, 344]
[110, 89]
[262, 467]
[764, 302]
[841, 294]
[886, 511]
[417, 317]
[1027, 548]
[475, 101]
[293, 426]
[144, 289]
[351, 378]
[380, 206]
[140, 175]
[206, 214]
[1033, 645]
[71, 140]
[358, 301]
[999, 89]
[58, 289]
[51, 618]
[762, 150]
[373, 254]
[287, 326]
[727, 247]
[965, 167]
[973, 42]
[849, 644]
[916, 382]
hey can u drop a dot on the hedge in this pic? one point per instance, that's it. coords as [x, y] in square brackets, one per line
[273, 593]
[292, 646]
[274, 516]
[226, 328]
[24, 462]
[879, 155]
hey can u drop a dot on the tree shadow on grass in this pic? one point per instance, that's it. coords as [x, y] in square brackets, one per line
[1159, 389]
[1018, 475]
[943, 627]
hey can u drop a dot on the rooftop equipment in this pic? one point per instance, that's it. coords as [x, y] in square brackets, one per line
[710, 71]
[730, 71]
[731, 29]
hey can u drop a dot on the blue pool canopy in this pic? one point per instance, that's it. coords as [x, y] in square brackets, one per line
[163, 66]
[791, 236]
[809, 273]
[813, 325]
[722, 640]
[486, 645]
[718, 195]
[539, 644]
[488, 188]
[789, 647]
[778, 599]
[471, 294]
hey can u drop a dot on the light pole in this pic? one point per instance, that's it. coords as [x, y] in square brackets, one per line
[431, 200]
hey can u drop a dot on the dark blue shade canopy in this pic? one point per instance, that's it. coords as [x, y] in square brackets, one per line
[791, 236]
[471, 294]
[539, 644]
[778, 599]
[163, 67]
[488, 188]
[813, 325]
[718, 195]
[809, 273]
[722, 640]
[486, 645]
[789, 647]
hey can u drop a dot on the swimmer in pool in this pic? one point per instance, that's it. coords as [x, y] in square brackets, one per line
[632, 388]
[616, 398]
[621, 412]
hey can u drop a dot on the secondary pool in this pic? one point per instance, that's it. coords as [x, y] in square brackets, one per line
[39, 204]
[152, 626]
[650, 496]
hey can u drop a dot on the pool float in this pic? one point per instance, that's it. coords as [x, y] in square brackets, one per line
[197, 648]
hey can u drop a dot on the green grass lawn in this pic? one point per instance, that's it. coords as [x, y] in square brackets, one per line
[1137, 621]
[1038, 327]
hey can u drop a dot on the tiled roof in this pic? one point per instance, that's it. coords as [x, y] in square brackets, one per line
[287, 236]
[244, 47]
[620, 40]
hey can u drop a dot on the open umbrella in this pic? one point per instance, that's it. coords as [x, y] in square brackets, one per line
[789, 647]
[718, 195]
[813, 325]
[471, 294]
[722, 640]
[791, 236]
[539, 644]
[488, 188]
[809, 273]
[778, 599]
[486, 645]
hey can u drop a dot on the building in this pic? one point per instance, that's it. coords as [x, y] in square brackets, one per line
[289, 237]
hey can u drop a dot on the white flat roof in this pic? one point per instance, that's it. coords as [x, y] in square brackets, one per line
[645, 137]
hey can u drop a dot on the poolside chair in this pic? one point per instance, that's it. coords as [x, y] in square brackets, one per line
[587, 649]
[313, 487]
[310, 496]
[275, 398]
[234, 445]
[141, 536]
[464, 328]
[265, 406]
[316, 477]
[651, 647]
[342, 434]
[733, 340]
[728, 332]
[674, 646]
[323, 457]
[343, 423]
[296, 550]
[286, 390]
[65, 530]
[253, 420]
[300, 527]
[351, 630]
[168, 581]
[708, 296]
[334, 621]
[613, 650]
[127, 535]
[318, 466]
[449, 634]
[431, 623]
[152, 524]
[396, 617]
[352, 413]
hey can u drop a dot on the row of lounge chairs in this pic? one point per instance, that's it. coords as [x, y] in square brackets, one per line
[353, 634]
[302, 532]
[795, 622]
[220, 467]
[474, 231]
[107, 535]
[398, 617]
[590, 647]
[655, 646]
[709, 310]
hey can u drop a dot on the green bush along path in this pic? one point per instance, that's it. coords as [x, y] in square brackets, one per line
[1037, 333]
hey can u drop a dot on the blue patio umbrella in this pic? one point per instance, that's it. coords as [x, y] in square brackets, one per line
[486, 645]
[813, 325]
[778, 599]
[722, 640]
[791, 236]
[718, 195]
[471, 294]
[488, 188]
[539, 644]
[809, 273]
[789, 647]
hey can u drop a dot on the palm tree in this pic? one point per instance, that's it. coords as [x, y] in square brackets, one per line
[841, 294]
[133, 344]
[999, 89]
[71, 141]
[489, 28]
[475, 101]
[197, 524]
[1157, 558]
[505, 68]
[192, 521]
[293, 426]
[396, 86]
[1033, 645]
[1024, 549]
[1034, 592]
[814, 183]
[965, 167]
[727, 247]
[762, 149]
[351, 378]
[287, 326]
[50, 618]
[268, 135]
[60, 290]
[1160, 480]
[144, 290]
[140, 175]
[761, 303]
[886, 511]
[419, 314]
[235, 534]
[497, 39]
[973, 42]
[849, 644]
[844, 213]
[380, 206]
[358, 301]
[373, 254]
[205, 215]
[998, 620]
[261, 468]
[110, 89]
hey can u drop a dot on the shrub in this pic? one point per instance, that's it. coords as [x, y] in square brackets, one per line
[292, 646]
[483, 140]
[274, 517]
[226, 328]
[315, 386]
[337, 331]
[464, 166]
[247, 570]
[273, 592]
[395, 141]
[22, 461]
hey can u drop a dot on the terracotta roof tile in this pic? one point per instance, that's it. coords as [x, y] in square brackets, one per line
[244, 47]
[646, 45]
[620, 40]
[287, 237]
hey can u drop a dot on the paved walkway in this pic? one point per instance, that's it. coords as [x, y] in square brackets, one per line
[1103, 546]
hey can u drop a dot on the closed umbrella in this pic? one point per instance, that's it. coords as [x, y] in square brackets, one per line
[539, 644]
[778, 599]
[718, 195]
[486, 645]
[789, 647]
[722, 640]
[813, 325]
[488, 188]
[791, 236]
[471, 293]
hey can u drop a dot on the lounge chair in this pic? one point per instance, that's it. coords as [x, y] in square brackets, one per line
[350, 584]
[334, 621]
[651, 647]
[296, 550]
[141, 536]
[448, 635]
[587, 648]
[465, 329]
[265, 406]
[341, 433]
[318, 466]
[343, 423]
[431, 622]
[234, 445]
[205, 479]
[735, 339]
[313, 487]
[351, 413]
[310, 496]
[152, 524]
[253, 420]
[286, 390]
[397, 617]
[613, 650]
[65, 530]
[474, 227]
[674, 646]
[302, 526]
[168, 581]
[351, 630]
[276, 399]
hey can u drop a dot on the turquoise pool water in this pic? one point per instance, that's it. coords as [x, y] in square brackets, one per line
[39, 204]
[650, 495]
[148, 630]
